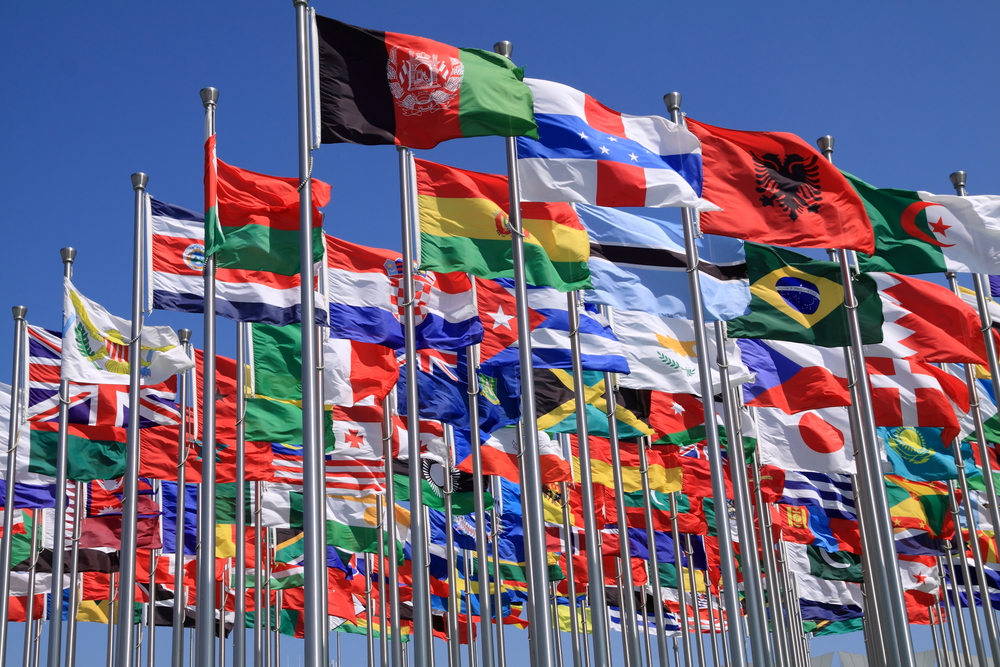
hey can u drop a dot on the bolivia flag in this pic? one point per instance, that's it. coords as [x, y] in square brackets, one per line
[386, 88]
[464, 226]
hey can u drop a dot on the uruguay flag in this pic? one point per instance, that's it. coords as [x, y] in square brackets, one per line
[639, 263]
[588, 153]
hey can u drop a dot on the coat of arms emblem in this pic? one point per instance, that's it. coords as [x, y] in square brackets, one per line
[422, 284]
[423, 82]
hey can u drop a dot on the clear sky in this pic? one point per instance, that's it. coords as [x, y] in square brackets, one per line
[93, 91]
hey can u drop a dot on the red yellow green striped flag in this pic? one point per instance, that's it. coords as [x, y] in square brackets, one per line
[464, 226]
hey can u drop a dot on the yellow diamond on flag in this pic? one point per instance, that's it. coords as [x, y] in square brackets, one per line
[803, 297]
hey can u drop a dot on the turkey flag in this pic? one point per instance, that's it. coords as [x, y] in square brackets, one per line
[775, 188]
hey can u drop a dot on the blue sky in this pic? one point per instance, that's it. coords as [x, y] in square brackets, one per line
[95, 91]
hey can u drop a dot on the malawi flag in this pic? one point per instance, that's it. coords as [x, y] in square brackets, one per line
[464, 226]
[387, 88]
[775, 188]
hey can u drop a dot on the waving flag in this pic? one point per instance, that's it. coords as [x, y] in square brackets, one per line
[829, 499]
[366, 296]
[822, 599]
[792, 376]
[240, 295]
[775, 188]
[816, 440]
[588, 153]
[639, 263]
[357, 373]
[502, 449]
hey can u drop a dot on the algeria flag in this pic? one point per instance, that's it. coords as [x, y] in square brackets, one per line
[920, 232]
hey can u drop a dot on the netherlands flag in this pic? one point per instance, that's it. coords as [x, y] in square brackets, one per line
[590, 154]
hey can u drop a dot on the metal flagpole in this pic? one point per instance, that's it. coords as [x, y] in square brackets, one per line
[369, 630]
[695, 607]
[970, 591]
[591, 531]
[29, 620]
[627, 656]
[383, 626]
[13, 433]
[737, 657]
[240, 565]
[473, 659]
[278, 595]
[531, 493]
[891, 596]
[126, 621]
[679, 576]
[259, 613]
[74, 575]
[454, 648]
[495, 555]
[390, 524]
[151, 619]
[185, 392]
[479, 499]
[654, 566]
[584, 627]
[570, 569]
[714, 642]
[779, 637]
[422, 635]
[222, 615]
[313, 466]
[940, 643]
[205, 578]
[268, 644]
[68, 256]
[957, 620]
[947, 620]
[732, 405]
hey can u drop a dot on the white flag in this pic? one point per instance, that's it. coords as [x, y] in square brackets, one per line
[96, 345]
[813, 440]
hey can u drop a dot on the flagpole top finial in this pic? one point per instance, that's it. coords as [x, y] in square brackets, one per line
[825, 144]
[139, 180]
[19, 312]
[673, 101]
[184, 336]
[958, 179]
[68, 255]
[504, 48]
[209, 96]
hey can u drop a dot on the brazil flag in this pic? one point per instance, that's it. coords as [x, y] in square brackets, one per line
[798, 299]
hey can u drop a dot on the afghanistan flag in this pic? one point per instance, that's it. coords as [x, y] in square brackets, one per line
[798, 299]
[464, 226]
[387, 88]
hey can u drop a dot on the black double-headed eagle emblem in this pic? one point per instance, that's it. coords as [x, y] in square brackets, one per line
[791, 184]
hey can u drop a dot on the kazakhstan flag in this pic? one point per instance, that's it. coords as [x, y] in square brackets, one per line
[798, 299]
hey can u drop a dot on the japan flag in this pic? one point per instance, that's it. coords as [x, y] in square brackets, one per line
[813, 440]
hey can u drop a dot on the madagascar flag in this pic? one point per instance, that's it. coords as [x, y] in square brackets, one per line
[464, 226]
[387, 88]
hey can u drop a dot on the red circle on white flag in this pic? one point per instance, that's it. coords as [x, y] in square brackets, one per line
[819, 435]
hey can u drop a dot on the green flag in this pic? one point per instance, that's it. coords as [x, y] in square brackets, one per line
[834, 566]
[798, 299]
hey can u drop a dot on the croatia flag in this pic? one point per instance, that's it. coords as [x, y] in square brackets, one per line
[590, 154]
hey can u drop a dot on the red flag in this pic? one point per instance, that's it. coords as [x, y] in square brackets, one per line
[775, 188]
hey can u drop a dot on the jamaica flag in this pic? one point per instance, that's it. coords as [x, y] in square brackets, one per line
[556, 405]
[798, 299]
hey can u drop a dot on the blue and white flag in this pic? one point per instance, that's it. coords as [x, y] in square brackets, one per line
[831, 494]
[588, 153]
[639, 263]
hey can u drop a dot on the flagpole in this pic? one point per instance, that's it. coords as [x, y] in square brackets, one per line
[654, 566]
[938, 656]
[695, 607]
[390, 524]
[949, 634]
[68, 256]
[479, 500]
[126, 621]
[675, 537]
[27, 657]
[240, 566]
[893, 601]
[469, 624]
[570, 568]
[958, 548]
[630, 632]
[711, 613]
[737, 656]
[531, 493]
[369, 630]
[74, 574]
[957, 620]
[205, 579]
[732, 404]
[383, 626]
[591, 531]
[258, 580]
[454, 648]
[779, 635]
[177, 631]
[497, 592]
[151, 619]
[420, 559]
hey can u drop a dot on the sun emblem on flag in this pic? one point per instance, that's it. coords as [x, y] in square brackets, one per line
[909, 443]
[423, 82]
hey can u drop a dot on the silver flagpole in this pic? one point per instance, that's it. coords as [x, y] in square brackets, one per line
[112, 593]
[313, 463]
[369, 630]
[938, 656]
[957, 619]
[737, 656]
[62, 473]
[422, 634]
[557, 635]
[732, 404]
[679, 575]
[591, 531]
[627, 657]
[695, 607]
[479, 498]
[495, 555]
[466, 573]
[151, 619]
[383, 625]
[27, 657]
[779, 637]
[184, 394]
[570, 569]
[654, 566]
[630, 632]
[531, 493]
[205, 577]
[714, 642]
[958, 550]
[891, 599]
[240, 566]
[13, 432]
[259, 613]
[130, 511]
[74, 575]
[454, 648]
[390, 526]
